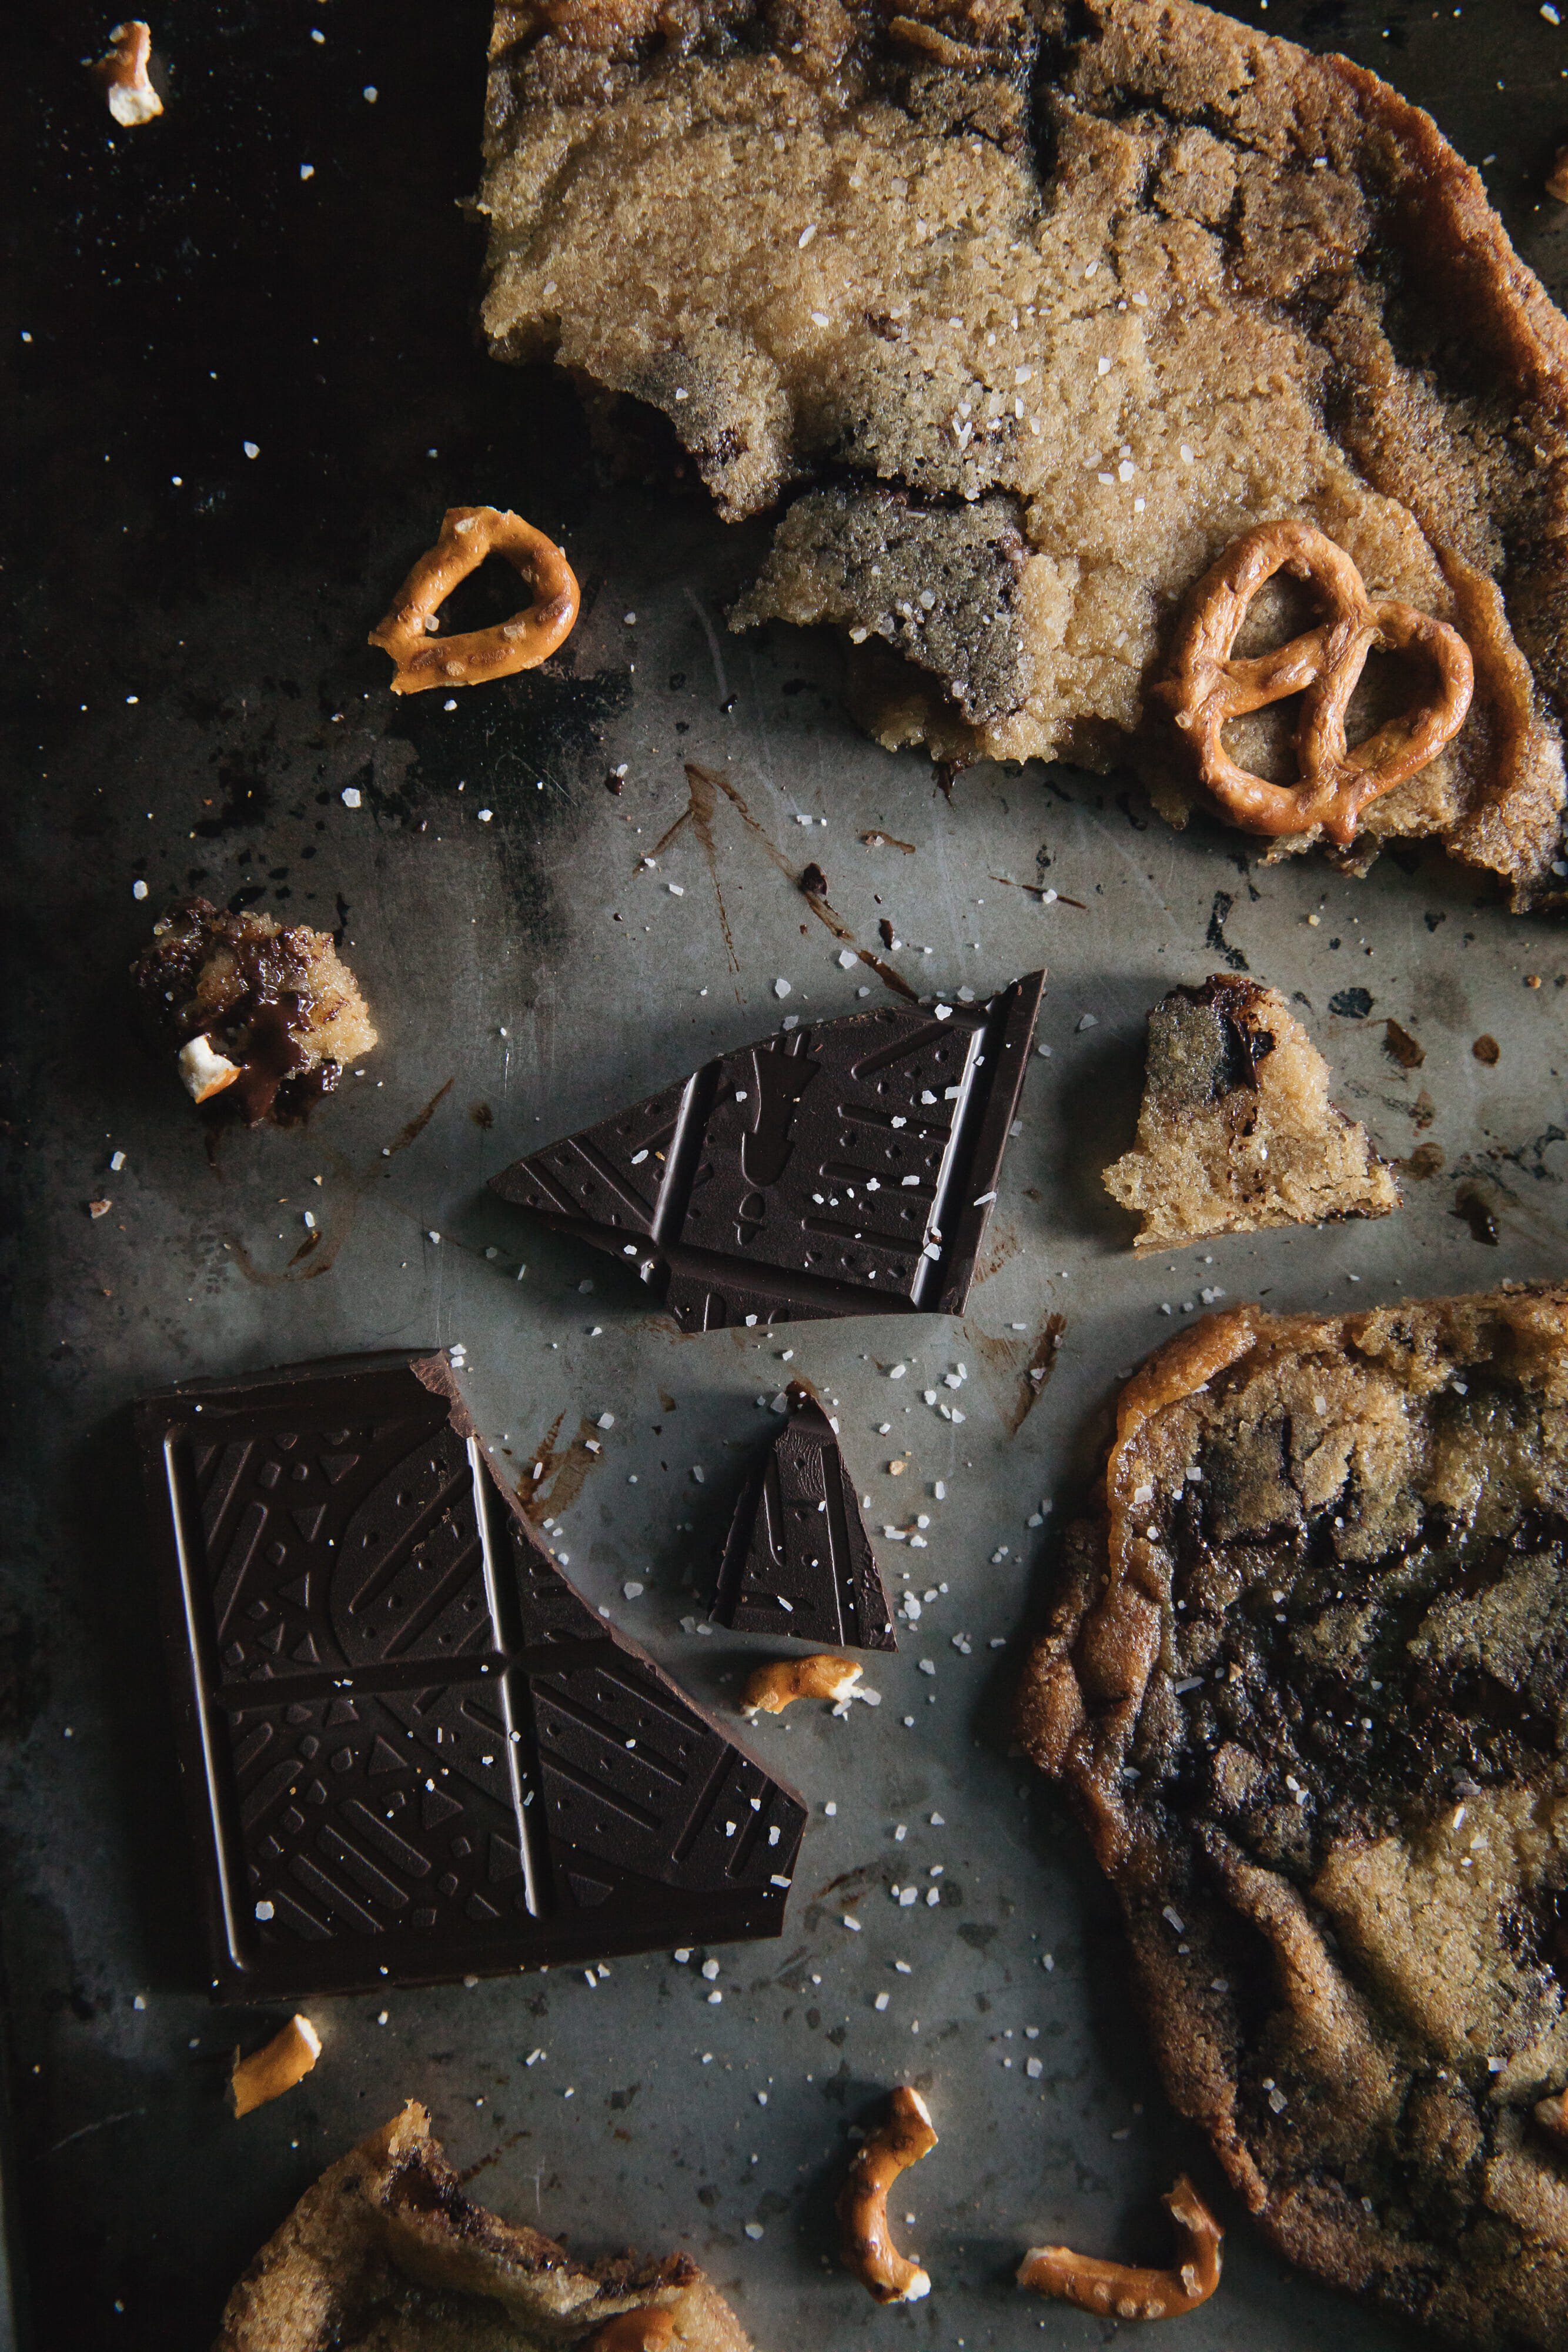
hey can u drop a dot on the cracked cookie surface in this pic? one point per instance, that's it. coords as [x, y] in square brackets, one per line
[1054, 303]
[1306, 1679]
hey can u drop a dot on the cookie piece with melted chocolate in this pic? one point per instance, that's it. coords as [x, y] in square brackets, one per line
[388, 2247]
[266, 1017]
[1306, 1681]
[1237, 1132]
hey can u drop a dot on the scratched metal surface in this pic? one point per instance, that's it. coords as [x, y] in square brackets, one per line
[196, 697]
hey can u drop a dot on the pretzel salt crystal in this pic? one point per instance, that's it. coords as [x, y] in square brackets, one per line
[770, 1689]
[1211, 683]
[123, 73]
[867, 2249]
[275, 2068]
[633, 2331]
[468, 534]
[1120, 2289]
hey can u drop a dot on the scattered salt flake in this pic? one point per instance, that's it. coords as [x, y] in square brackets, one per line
[139, 889]
[754, 2229]
[1173, 1919]
[781, 988]
[1088, 1020]
[351, 796]
[632, 1589]
[853, 1925]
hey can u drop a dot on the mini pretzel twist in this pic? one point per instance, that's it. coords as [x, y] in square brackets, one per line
[866, 2247]
[1123, 2289]
[770, 1689]
[633, 2331]
[1211, 683]
[468, 534]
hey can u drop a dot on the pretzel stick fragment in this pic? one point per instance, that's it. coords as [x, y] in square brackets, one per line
[1121, 2288]
[275, 2068]
[468, 534]
[772, 1688]
[866, 2247]
[633, 2331]
[121, 74]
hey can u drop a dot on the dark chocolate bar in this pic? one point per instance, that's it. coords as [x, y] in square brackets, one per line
[844, 1168]
[798, 1561]
[413, 1750]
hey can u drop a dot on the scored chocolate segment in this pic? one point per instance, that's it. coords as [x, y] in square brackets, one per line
[846, 1168]
[413, 1750]
[798, 1561]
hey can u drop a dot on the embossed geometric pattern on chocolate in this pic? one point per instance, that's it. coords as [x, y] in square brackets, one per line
[798, 1561]
[412, 1745]
[846, 1168]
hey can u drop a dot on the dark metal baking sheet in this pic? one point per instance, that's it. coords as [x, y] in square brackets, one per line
[190, 696]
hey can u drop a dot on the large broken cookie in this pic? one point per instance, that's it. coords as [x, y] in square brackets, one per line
[844, 1169]
[1306, 1679]
[387, 2249]
[1237, 1130]
[412, 1750]
[1028, 312]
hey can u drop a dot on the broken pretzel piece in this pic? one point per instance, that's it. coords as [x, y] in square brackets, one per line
[281, 2062]
[866, 2247]
[121, 73]
[633, 2331]
[1123, 2289]
[773, 1688]
[468, 534]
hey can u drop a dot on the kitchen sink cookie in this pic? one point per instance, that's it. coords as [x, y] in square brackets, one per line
[1306, 1681]
[386, 2248]
[265, 1017]
[1237, 1130]
[1026, 315]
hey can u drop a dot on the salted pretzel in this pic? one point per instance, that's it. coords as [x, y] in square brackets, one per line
[1211, 683]
[468, 534]
[1124, 2291]
[868, 2248]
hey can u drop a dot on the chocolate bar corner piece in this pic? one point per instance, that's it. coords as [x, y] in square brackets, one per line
[798, 1561]
[844, 1168]
[413, 1750]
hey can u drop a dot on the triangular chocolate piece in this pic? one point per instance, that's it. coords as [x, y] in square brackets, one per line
[513, 1783]
[799, 1560]
[843, 1168]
